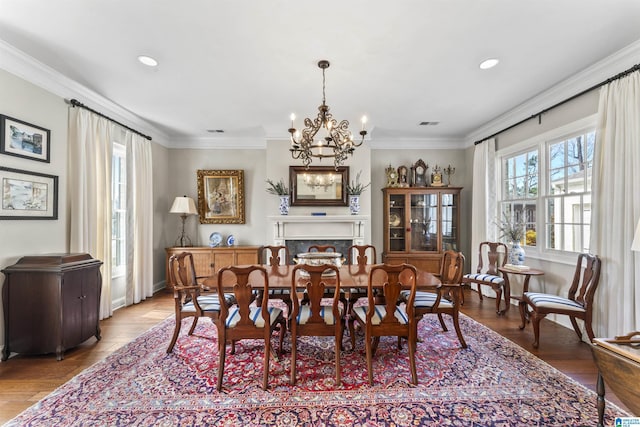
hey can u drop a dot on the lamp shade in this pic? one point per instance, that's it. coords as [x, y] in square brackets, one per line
[184, 205]
[635, 246]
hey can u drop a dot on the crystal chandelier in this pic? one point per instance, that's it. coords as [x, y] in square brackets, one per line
[336, 141]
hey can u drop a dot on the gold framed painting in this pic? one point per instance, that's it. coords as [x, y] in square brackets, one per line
[221, 196]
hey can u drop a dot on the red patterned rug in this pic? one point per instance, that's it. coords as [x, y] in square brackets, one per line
[492, 383]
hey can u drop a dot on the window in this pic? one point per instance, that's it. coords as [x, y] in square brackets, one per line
[520, 192]
[551, 176]
[118, 211]
[568, 200]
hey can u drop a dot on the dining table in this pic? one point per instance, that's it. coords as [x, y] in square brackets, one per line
[351, 276]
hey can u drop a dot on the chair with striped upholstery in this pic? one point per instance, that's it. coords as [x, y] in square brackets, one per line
[446, 298]
[491, 255]
[189, 302]
[317, 318]
[578, 304]
[274, 256]
[245, 320]
[390, 318]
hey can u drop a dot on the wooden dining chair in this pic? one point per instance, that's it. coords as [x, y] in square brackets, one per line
[491, 255]
[188, 300]
[328, 293]
[243, 320]
[389, 319]
[577, 305]
[317, 318]
[445, 299]
[274, 256]
[360, 255]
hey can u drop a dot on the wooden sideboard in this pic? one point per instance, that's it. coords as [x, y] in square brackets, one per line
[51, 303]
[209, 260]
[618, 361]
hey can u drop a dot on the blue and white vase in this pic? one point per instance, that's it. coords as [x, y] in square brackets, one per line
[516, 254]
[284, 205]
[354, 204]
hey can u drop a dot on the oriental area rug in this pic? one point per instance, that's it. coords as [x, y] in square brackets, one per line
[491, 383]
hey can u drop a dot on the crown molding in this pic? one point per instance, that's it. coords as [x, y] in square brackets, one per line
[30, 69]
[594, 74]
[417, 143]
[221, 143]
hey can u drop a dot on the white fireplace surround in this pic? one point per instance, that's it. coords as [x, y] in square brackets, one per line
[321, 227]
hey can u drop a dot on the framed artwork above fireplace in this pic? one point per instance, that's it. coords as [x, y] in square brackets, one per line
[319, 185]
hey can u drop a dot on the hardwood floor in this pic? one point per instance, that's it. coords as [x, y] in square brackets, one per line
[26, 379]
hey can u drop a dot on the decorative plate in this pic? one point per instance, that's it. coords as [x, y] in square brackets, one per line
[394, 220]
[215, 239]
[231, 240]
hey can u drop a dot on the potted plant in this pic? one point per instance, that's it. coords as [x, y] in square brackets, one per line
[354, 190]
[513, 229]
[280, 189]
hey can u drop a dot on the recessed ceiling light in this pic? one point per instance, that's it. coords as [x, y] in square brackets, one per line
[215, 130]
[148, 61]
[489, 63]
[429, 123]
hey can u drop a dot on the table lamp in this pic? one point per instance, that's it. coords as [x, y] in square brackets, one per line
[184, 206]
[635, 245]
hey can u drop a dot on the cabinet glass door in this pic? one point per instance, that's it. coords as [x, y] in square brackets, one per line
[449, 221]
[424, 222]
[397, 234]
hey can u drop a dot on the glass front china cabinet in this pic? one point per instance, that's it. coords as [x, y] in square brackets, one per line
[420, 224]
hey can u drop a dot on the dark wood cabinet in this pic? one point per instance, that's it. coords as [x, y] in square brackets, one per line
[420, 223]
[51, 303]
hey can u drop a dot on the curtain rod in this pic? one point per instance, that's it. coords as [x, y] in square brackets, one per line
[538, 115]
[76, 103]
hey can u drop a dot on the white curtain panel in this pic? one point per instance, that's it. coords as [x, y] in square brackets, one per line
[483, 202]
[616, 207]
[90, 152]
[140, 219]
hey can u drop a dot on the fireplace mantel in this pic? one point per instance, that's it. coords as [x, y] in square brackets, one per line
[321, 227]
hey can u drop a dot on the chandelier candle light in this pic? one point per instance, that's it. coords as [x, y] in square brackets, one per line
[338, 142]
[184, 206]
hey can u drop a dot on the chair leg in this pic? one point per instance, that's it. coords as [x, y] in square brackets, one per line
[352, 332]
[587, 326]
[456, 325]
[577, 328]
[193, 325]
[522, 305]
[444, 327]
[498, 299]
[535, 321]
[479, 291]
[176, 332]
[222, 349]
[267, 353]
[292, 379]
[283, 331]
[412, 357]
[337, 351]
[368, 350]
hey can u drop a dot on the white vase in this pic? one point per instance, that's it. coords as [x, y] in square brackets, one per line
[284, 205]
[354, 204]
[516, 254]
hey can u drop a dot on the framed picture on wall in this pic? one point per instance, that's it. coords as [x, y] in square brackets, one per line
[221, 196]
[22, 139]
[28, 195]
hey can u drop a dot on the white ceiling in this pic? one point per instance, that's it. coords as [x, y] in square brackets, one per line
[244, 66]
